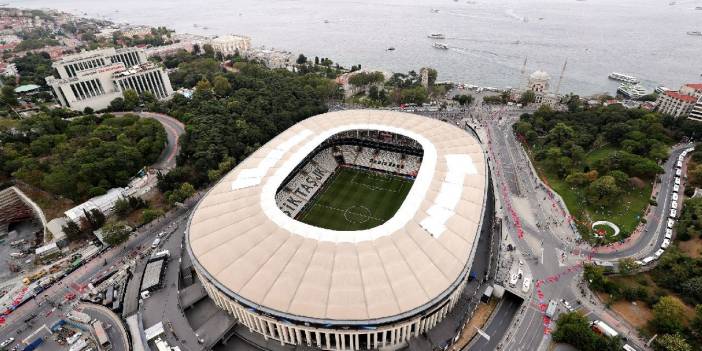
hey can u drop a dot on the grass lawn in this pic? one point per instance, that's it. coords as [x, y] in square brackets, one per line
[356, 200]
[625, 213]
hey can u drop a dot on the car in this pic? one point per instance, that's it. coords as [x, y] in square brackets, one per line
[7, 342]
[679, 164]
[161, 234]
[665, 244]
[677, 180]
[676, 188]
[659, 253]
[72, 339]
[673, 213]
[513, 280]
[668, 233]
[526, 285]
[674, 204]
[520, 274]
[671, 223]
[675, 197]
[683, 154]
[568, 306]
[155, 243]
[145, 294]
[678, 172]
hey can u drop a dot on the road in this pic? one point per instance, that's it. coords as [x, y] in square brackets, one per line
[501, 317]
[112, 323]
[174, 129]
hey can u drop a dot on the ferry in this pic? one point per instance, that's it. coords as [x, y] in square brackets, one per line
[436, 36]
[391, 49]
[698, 8]
[632, 91]
[695, 33]
[434, 10]
[623, 78]
[440, 46]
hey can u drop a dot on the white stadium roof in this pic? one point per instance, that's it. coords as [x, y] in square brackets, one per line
[259, 256]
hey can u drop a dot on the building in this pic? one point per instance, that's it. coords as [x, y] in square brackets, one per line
[675, 103]
[270, 58]
[376, 288]
[696, 113]
[95, 78]
[539, 82]
[231, 44]
[692, 89]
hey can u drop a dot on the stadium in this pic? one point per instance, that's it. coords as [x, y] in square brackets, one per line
[351, 230]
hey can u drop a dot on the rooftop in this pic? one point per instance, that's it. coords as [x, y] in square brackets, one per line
[681, 97]
[242, 242]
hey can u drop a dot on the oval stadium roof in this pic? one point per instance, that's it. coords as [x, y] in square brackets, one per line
[256, 254]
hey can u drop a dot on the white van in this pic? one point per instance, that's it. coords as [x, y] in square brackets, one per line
[659, 253]
[665, 244]
[678, 172]
[526, 284]
[676, 188]
[648, 260]
[674, 204]
[677, 180]
[675, 197]
[679, 164]
[673, 213]
[668, 233]
[671, 223]
[155, 244]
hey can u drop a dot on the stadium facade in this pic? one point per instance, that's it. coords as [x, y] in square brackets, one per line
[356, 289]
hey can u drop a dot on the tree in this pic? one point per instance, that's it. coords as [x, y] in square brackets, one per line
[72, 230]
[627, 265]
[115, 233]
[603, 191]
[196, 49]
[577, 179]
[463, 99]
[150, 214]
[8, 95]
[301, 60]
[693, 288]
[695, 175]
[574, 329]
[131, 99]
[696, 325]
[221, 86]
[208, 50]
[671, 342]
[527, 97]
[117, 104]
[668, 316]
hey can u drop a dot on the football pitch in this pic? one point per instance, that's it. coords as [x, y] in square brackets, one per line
[356, 200]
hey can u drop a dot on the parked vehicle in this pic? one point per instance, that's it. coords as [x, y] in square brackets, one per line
[155, 243]
[677, 180]
[659, 253]
[604, 329]
[648, 260]
[673, 213]
[7, 342]
[526, 284]
[665, 244]
[671, 223]
[551, 309]
[668, 233]
[676, 188]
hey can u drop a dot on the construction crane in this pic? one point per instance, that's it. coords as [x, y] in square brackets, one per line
[560, 78]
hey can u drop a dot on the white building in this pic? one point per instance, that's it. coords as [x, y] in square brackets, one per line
[95, 78]
[231, 44]
[696, 113]
[675, 103]
[539, 82]
[270, 58]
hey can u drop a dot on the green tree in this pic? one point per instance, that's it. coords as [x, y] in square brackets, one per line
[627, 266]
[577, 179]
[117, 104]
[208, 50]
[131, 99]
[574, 329]
[115, 233]
[221, 86]
[8, 95]
[463, 99]
[696, 324]
[301, 60]
[150, 214]
[527, 97]
[668, 316]
[72, 230]
[671, 342]
[603, 191]
[695, 175]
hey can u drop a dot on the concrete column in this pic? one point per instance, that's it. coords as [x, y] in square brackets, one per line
[327, 337]
[357, 340]
[308, 337]
[318, 337]
[298, 336]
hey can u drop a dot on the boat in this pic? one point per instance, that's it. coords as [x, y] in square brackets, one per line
[695, 33]
[434, 10]
[623, 78]
[698, 8]
[440, 46]
[436, 36]
[391, 49]
[632, 91]
[672, 3]
[326, 21]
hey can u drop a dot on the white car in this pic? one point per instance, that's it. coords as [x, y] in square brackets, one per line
[676, 188]
[155, 243]
[678, 172]
[684, 153]
[526, 285]
[668, 233]
[639, 262]
[513, 280]
[665, 244]
[673, 213]
[674, 204]
[659, 253]
[671, 223]
[677, 180]
[161, 234]
[7, 342]
[568, 306]
[520, 273]
[74, 338]
[679, 164]
[675, 197]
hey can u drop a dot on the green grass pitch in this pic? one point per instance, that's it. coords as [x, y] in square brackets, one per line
[356, 200]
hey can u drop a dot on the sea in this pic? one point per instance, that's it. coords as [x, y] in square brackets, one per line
[489, 40]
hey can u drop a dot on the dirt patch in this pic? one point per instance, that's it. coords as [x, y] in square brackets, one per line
[53, 206]
[481, 315]
[636, 313]
[692, 247]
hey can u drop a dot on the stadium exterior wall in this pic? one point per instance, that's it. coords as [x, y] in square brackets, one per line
[389, 336]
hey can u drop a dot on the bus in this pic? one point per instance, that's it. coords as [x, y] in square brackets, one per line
[604, 329]
[101, 335]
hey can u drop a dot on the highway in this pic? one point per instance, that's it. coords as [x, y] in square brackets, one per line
[174, 129]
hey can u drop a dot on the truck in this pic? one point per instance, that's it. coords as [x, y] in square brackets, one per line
[601, 327]
[79, 317]
[101, 335]
[487, 294]
[34, 276]
[551, 309]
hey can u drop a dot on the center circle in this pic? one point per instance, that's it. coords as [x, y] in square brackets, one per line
[357, 214]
